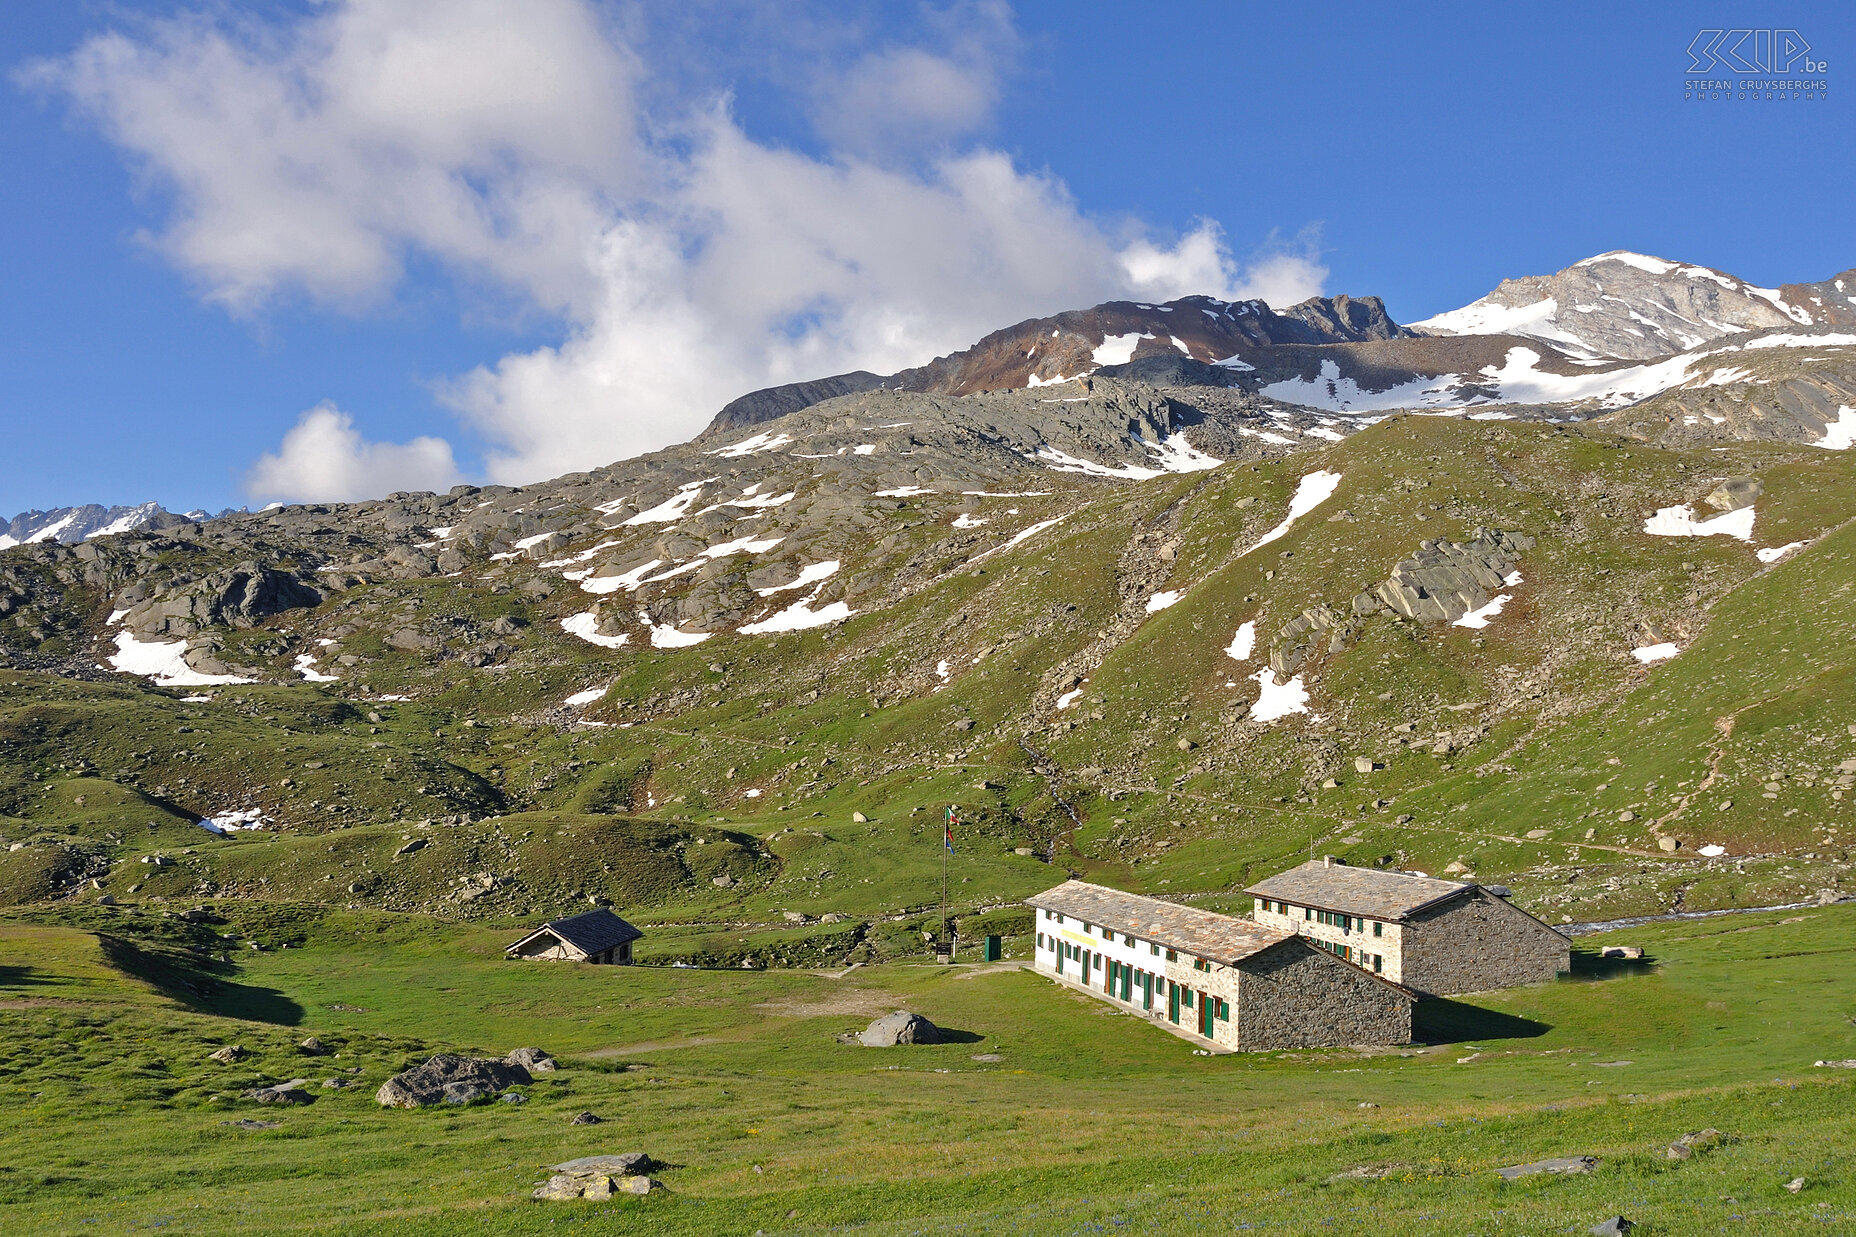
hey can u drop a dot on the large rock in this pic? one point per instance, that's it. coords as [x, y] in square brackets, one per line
[450, 1079]
[532, 1059]
[598, 1177]
[1562, 1165]
[291, 1092]
[901, 1027]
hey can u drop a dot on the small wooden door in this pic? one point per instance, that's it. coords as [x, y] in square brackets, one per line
[1172, 1001]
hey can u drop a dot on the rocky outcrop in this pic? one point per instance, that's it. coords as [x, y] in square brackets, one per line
[1445, 580]
[236, 597]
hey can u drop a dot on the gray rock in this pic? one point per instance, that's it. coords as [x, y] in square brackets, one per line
[282, 1093]
[1850, 1064]
[313, 1047]
[1685, 1147]
[1795, 1184]
[1612, 1227]
[532, 1059]
[246, 1123]
[584, 1118]
[1734, 493]
[901, 1027]
[512, 1097]
[1363, 764]
[229, 1054]
[1564, 1165]
[624, 1164]
[417, 844]
[434, 1081]
[466, 1092]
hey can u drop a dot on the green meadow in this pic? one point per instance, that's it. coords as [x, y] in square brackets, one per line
[1078, 1119]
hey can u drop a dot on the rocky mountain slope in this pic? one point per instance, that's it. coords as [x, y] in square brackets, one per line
[1171, 622]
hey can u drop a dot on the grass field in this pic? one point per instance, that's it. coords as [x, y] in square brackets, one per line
[115, 1120]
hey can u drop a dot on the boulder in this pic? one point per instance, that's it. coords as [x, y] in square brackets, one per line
[282, 1093]
[1564, 1165]
[1612, 1228]
[1835, 1064]
[449, 1078]
[533, 1060]
[901, 1027]
[1685, 1147]
[584, 1118]
[313, 1047]
[599, 1177]
[230, 1054]
[1363, 764]
[624, 1164]
[1795, 1184]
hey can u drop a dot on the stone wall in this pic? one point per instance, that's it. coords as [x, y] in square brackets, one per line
[1477, 943]
[1296, 996]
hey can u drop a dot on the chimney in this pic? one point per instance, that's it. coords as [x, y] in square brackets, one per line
[1327, 861]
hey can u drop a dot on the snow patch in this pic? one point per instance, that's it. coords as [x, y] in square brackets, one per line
[1032, 531]
[306, 666]
[1773, 554]
[1840, 434]
[1277, 699]
[1712, 850]
[800, 616]
[586, 626]
[1244, 641]
[673, 508]
[592, 695]
[1172, 453]
[166, 663]
[809, 574]
[963, 520]
[1655, 652]
[1480, 616]
[903, 491]
[1681, 522]
[1310, 492]
[763, 441]
[1117, 349]
[234, 822]
[668, 637]
[1160, 601]
[1069, 698]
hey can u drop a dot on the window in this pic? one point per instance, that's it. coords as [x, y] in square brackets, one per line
[1224, 1011]
[1200, 964]
[1127, 938]
[1185, 997]
[1307, 914]
[1379, 929]
[1378, 964]
[1154, 949]
[1171, 956]
[1040, 940]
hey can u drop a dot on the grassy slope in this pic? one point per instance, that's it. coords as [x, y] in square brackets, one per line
[117, 1115]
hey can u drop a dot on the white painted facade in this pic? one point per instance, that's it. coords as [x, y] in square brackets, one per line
[1138, 975]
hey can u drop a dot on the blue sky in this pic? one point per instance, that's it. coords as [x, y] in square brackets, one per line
[380, 250]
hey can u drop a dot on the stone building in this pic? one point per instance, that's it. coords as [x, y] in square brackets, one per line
[1214, 978]
[598, 936]
[1432, 936]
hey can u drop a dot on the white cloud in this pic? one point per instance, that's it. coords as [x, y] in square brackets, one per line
[689, 262]
[324, 459]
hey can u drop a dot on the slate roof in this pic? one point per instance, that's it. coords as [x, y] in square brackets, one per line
[1371, 893]
[592, 932]
[1205, 934]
